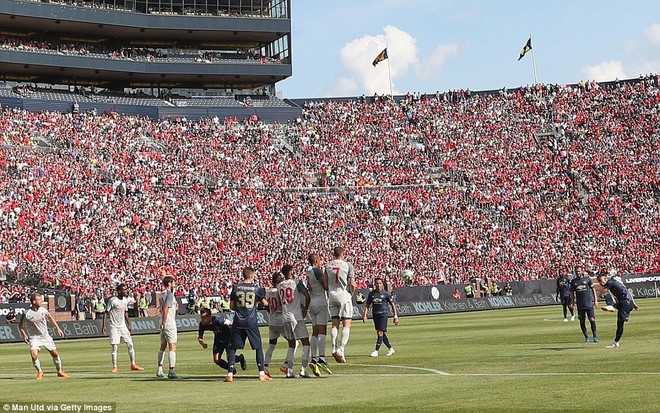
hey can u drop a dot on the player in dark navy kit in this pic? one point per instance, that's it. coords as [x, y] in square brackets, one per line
[564, 296]
[244, 301]
[585, 300]
[221, 328]
[624, 304]
[380, 300]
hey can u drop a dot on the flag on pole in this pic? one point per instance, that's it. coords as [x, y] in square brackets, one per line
[526, 48]
[381, 56]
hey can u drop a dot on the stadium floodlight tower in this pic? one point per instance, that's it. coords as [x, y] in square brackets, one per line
[154, 47]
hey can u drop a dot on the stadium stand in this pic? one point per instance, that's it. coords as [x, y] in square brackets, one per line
[512, 185]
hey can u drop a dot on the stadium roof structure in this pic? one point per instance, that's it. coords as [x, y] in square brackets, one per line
[164, 44]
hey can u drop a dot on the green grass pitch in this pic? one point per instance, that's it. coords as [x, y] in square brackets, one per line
[517, 360]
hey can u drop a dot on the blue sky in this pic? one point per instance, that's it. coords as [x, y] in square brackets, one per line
[452, 44]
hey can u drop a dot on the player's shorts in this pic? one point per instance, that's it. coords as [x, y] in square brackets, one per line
[275, 332]
[239, 335]
[219, 345]
[168, 335]
[37, 342]
[117, 334]
[565, 300]
[624, 307]
[586, 312]
[380, 322]
[342, 310]
[295, 330]
[319, 315]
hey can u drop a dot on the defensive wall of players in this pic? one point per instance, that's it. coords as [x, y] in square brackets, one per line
[411, 301]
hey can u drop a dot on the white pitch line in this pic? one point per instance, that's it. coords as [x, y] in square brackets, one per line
[601, 373]
[434, 371]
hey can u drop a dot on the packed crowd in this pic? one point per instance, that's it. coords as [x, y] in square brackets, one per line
[446, 187]
[118, 51]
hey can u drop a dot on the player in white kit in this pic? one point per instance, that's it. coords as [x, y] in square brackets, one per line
[339, 280]
[168, 331]
[275, 324]
[116, 315]
[33, 326]
[318, 312]
[295, 304]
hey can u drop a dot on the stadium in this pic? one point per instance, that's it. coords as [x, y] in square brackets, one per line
[146, 138]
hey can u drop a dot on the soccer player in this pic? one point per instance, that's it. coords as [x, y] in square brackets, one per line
[318, 312]
[564, 296]
[244, 300]
[167, 327]
[33, 326]
[275, 324]
[220, 325]
[379, 299]
[295, 303]
[339, 280]
[585, 299]
[624, 304]
[116, 314]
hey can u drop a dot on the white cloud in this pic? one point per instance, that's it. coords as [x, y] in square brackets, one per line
[652, 33]
[605, 71]
[360, 76]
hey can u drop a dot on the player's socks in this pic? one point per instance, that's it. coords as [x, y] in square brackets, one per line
[379, 342]
[386, 341]
[113, 354]
[172, 358]
[313, 346]
[58, 363]
[305, 356]
[345, 334]
[37, 364]
[269, 353]
[334, 332]
[161, 358]
[290, 353]
[131, 352]
[321, 345]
